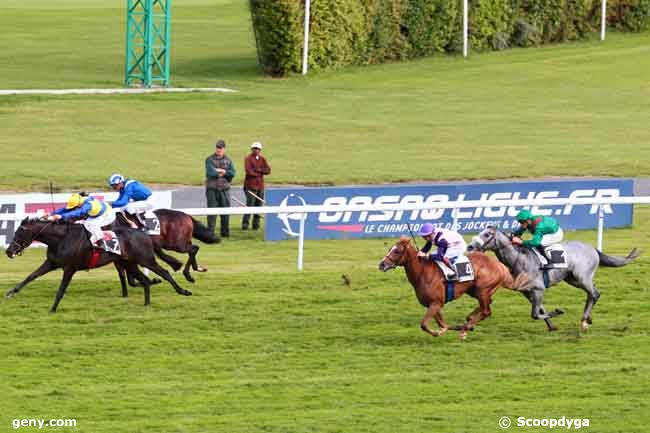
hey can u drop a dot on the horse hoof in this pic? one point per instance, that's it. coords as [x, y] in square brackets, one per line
[187, 293]
[156, 281]
[10, 294]
[189, 278]
[558, 311]
[200, 269]
[463, 335]
[584, 325]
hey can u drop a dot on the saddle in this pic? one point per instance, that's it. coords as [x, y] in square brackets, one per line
[151, 223]
[464, 271]
[554, 257]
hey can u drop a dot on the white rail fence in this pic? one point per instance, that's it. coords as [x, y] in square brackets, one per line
[602, 206]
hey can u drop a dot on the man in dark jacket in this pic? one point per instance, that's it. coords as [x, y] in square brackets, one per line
[219, 171]
[256, 169]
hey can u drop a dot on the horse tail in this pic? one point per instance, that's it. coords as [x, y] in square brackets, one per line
[617, 262]
[202, 233]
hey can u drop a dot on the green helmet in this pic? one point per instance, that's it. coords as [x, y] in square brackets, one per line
[524, 215]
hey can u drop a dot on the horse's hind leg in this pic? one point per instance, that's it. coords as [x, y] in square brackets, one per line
[137, 273]
[186, 270]
[162, 272]
[481, 312]
[586, 284]
[65, 281]
[194, 250]
[171, 261]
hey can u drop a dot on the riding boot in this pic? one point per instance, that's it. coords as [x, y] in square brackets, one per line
[549, 262]
[140, 220]
[452, 275]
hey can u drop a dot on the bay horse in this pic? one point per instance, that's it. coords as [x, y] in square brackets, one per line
[176, 232]
[430, 285]
[68, 247]
[582, 260]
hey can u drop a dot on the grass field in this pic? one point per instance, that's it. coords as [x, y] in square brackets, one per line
[577, 109]
[263, 348]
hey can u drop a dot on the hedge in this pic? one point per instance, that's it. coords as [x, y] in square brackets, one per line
[353, 32]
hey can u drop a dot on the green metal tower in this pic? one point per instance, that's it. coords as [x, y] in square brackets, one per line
[147, 42]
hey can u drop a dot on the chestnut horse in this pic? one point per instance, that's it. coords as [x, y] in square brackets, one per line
[430, 284]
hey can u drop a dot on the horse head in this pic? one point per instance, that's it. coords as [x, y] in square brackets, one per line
[396, 256]
[485, 240]
[24, 236]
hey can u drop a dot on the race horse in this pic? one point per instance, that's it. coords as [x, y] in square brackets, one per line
[176, 232]
[431, 287]
[68, 247]
[582, 261]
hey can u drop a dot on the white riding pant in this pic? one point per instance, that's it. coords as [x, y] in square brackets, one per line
[136, 207]
[94, 225]
[552, 238]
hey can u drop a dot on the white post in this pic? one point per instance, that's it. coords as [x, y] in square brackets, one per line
[301, 241]
[465, 25]
[601, 225]
[603, 19]
[305, 49]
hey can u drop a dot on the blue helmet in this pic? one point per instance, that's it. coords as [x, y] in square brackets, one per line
[426, 229]
[115, 179]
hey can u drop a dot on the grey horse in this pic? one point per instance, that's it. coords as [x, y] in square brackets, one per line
[582, 259]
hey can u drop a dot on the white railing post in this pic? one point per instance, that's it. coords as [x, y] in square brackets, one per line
[305, 48]
[465, 27]
[601, 226]
[301, 241]
[603, 19]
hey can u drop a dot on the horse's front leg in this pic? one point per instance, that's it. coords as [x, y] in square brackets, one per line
[538, 312]
[121, 273]
[68, 272]
[45, 267]
[433, 311]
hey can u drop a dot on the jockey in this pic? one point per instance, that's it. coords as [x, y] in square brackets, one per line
[96, 214]
[450, 245]
[133, 198]
[546, 231]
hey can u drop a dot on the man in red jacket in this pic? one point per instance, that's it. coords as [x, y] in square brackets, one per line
[256, 168]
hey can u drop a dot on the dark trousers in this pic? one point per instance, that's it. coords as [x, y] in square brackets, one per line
[218, 198]
[252, 201]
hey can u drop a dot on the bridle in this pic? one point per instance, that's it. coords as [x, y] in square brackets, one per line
[23, 246]
[394, 263]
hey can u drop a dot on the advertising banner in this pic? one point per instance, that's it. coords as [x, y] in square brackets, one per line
[346, 225]
[37, 202]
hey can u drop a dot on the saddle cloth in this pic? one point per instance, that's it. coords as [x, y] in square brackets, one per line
[462, 266]
[557, 254]
[151, 222]
[111, 243]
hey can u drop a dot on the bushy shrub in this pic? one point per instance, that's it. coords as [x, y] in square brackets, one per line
[347, 32]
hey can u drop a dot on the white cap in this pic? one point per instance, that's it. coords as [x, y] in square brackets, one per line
[256, 145]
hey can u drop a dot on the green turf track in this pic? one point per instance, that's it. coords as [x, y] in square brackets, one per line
[577, 109]
[263, 348]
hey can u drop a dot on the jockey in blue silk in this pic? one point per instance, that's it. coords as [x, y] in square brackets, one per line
[450, 245]
[134, 198]
[95, 213]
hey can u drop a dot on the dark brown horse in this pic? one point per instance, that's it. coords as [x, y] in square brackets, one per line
[430, 284]
[176, 232]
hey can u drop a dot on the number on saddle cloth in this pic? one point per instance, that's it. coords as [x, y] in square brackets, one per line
[111, 243]
[461, 265]
[152, 223]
